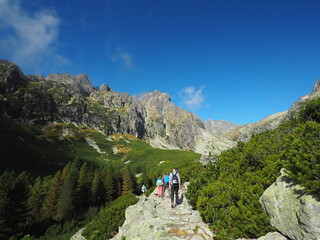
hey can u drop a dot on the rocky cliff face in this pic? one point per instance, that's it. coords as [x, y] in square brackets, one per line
[220, 127]
[170, 126]
[39, 100]
[244, 132]
[293, 212]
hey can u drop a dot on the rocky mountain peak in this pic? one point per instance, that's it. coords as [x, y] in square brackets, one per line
[105, 88]
[11, 77]
[155, 96]
[80, 82]
[316, 88]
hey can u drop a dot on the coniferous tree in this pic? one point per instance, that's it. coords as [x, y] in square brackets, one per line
[128, 182]
[82, 189]
[117, 184]
[65, 171]
[14, 193]
[96, 188]
[65, 204]
[35, 200]
[48, 209]
[108, 183]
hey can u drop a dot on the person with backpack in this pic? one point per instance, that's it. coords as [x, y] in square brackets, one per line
[174, 181]
[143, 189]
[166, 184]
[159, 184]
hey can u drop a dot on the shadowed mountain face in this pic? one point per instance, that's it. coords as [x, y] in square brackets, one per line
[39, 101]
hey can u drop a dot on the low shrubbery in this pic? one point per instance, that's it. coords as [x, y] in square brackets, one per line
[227, 193]
[109, 219]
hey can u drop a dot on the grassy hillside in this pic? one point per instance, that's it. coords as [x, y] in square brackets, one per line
[45, 151]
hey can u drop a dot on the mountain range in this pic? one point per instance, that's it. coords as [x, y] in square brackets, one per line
[38, 101]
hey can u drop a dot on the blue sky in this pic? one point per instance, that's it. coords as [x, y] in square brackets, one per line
[222, 59]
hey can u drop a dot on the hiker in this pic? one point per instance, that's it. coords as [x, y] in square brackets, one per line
[143, 188]
[159, 184]
[175, 182]
[166, 184]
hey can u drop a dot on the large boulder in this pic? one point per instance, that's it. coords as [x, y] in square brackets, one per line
[293, 212]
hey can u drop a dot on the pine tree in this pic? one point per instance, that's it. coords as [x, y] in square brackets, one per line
[65, 204]
[14, 210]
[36, 200]
[65, 171]
[108, 183]
[82, 189]
[96, 188]
[48, 209]
[128, 182]
[117, 184]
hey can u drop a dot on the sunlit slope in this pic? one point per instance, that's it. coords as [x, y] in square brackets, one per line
[44, 151]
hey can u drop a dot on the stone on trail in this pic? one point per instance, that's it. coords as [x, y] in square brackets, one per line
[272, 236]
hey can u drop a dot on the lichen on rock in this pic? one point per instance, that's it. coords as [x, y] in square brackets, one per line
[293, 212]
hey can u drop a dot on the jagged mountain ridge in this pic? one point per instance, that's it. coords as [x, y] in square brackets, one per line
[72, 99]
[38, 100]
[244, 132]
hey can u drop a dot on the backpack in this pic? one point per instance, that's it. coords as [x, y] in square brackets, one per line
[159, 182]
[175, 180]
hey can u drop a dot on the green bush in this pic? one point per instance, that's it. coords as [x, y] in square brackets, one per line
[149, 191]
[227, 193]
[109, 219]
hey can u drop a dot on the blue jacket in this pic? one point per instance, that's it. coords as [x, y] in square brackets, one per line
[166, 179]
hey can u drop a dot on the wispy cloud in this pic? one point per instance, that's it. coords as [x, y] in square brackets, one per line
[29, 39]
[124, 57]
[192, 98]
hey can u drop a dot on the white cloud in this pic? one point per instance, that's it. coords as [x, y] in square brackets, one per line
[29, 39]
[192, 98]
[124, 57]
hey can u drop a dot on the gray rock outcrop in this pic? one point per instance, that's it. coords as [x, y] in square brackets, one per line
[315, 93]
[219, 127]
[153, 218]
[11, 77]
[244, 132]
[293, 212]
[80, 83]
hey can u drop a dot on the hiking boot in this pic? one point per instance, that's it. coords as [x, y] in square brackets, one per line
[172, 205]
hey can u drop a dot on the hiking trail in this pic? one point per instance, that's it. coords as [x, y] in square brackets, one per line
[153, 218]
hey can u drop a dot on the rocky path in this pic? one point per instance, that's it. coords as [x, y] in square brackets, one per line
[153, 218]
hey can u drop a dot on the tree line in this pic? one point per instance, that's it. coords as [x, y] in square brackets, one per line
[31, 205]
